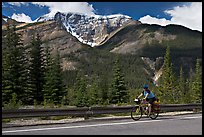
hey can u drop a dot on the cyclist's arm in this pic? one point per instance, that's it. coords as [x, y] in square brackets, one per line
[140, 95]
[146, 96]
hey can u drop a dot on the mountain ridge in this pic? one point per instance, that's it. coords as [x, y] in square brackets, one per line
[132, 39]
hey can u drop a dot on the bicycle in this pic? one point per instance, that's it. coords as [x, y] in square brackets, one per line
[142, 108]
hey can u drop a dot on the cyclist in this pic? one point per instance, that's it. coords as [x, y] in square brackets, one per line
[148, 96]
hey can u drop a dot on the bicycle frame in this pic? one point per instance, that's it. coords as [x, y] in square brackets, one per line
[140, 109]
[145, 108]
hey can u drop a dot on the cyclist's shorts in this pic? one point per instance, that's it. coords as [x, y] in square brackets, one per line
[151, 100]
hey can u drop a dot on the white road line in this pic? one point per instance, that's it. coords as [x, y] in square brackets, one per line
[193, 117]
[109, 124]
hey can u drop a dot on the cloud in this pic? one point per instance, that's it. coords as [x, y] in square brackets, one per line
[152, 20]
[21, 18]
[18, 3]
[189, 16]
[79, 7]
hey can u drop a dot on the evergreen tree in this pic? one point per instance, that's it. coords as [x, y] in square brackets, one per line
[118, 93]
[59, 88]
[49, 83]
[53, 88]
[94, 96]
[13, 66]
[103, 86]
[168, 88]
[70, 97]
[81, 91]
[36, 69]
[197, 84]
[13, 103]
[182, 87]
[189, 83]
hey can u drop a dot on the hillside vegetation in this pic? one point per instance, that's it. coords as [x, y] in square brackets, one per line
[94, 74]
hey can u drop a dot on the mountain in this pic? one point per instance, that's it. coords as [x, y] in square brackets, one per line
[150, 41]
[6, 20]
[90, 30]
[91, 43]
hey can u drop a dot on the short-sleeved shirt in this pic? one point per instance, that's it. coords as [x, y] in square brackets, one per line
[151, 95]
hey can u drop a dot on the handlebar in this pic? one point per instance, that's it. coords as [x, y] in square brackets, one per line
[144, 101]
[138, 101]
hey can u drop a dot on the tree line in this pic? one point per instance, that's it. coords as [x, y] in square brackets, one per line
[32, 75]
[174, 89]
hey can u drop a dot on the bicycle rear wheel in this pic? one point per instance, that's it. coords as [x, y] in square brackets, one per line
[136, 113]
[154, 114]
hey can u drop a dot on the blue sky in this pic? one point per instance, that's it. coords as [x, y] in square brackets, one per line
[135, 9]
[188, 14]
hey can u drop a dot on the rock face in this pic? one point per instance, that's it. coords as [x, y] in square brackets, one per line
[6, 20]
[90, 30]
[69, 32]
[53, 35]
[156, 66]
[136, 38]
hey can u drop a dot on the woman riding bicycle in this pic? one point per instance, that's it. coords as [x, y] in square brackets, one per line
[148, 96]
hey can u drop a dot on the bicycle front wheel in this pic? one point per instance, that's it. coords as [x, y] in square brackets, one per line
[136, 113]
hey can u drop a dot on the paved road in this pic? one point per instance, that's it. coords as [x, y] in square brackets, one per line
[190, 124]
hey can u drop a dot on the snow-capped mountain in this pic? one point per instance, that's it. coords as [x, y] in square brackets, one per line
[88, 29]
[8, 20]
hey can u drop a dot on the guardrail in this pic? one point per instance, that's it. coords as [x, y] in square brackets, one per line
[89, 111]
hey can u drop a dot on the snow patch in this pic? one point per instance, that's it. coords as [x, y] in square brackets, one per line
[84, 27]
[5, 19]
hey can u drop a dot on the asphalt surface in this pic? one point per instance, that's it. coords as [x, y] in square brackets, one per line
[188, 124]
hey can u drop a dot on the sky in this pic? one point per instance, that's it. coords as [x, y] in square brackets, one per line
[188, 14]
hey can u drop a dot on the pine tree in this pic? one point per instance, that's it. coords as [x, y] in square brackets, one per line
[70, 96]
[182, 87]
[7, 83]
[49, 83]
[13, 66]
[118, 92]
[197, 84]
[59, 87]
[94, 96]
[189, 83]
[168, 88]
[36, 69]
[103, 86]
[53, 88]
[81, 91]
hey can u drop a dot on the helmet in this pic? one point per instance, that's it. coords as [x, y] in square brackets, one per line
[145, 86]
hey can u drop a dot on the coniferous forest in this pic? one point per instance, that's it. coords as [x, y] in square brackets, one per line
[32, 75]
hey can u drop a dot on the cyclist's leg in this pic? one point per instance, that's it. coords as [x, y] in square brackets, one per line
[149, 108]
[154, 114]
[150, 104]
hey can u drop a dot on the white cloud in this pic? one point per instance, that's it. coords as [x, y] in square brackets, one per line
[152, 20]
[19, 3]
[79, 7]
[187, 15]
[21, 18]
